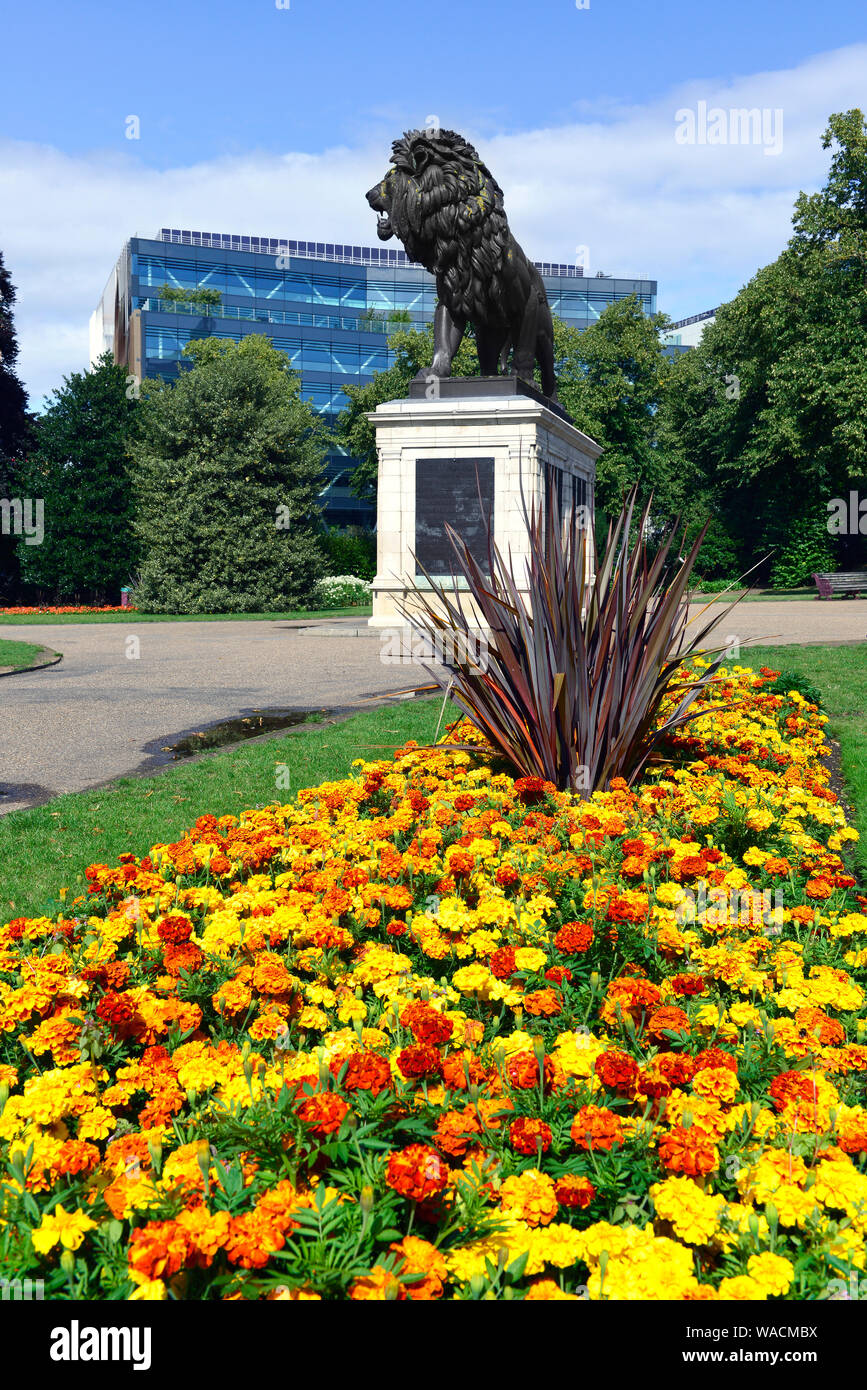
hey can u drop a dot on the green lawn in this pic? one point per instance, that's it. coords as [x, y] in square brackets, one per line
[21, 654]
[47, 848]
[841, 675]
[304, 615]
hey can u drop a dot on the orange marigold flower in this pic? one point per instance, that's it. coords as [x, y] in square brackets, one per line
[688, 1151]
[427, 1023]
[380, 1285]
[456, 1130]
[324, 1113]
[522, 1072]
[819, 888]
[595, 1127]
[365, 1071]
[420, 1257]
[542, 1003]
[573, 938]
[667, 1019]
[416, 1172]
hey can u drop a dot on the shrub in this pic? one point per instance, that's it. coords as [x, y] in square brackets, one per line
[350, 554]
[795, 680]
[583, 683]
[340, 591]
[227, 467]
[808, 547]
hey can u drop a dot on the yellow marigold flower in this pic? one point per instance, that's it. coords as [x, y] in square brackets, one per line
[771, 1272]
[742, 1289]
[530, 958]
[559, 1245]
[693, 1214]
[149, 1291]
[66, 1227]
[530, 1196]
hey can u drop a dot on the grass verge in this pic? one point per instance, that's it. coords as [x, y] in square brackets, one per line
[840, 673]
[131, 616]
[21, 655]
[47, 848]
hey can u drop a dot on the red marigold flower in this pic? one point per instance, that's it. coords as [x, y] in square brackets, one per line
[595, 1127]
[573, 938]
[396, 929]
[427, 1023]
[336, 901]
[558, 973]
[417, 1062]
[175, 930]
[617, 1070]
[530, 790]
[715, 1057]
[522, 1072]
[324, 1113]
[464, 802]
[573, 1191]
[529, 1136]
[416, 1172]
[503, 962]
[688, 984]
[506, 876]
[365, 1071]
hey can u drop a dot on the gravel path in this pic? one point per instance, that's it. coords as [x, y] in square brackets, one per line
[110, 706]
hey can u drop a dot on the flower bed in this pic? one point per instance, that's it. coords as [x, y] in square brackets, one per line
[433, 1032]
[64, 608]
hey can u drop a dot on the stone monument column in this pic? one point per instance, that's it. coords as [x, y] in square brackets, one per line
[469, 451]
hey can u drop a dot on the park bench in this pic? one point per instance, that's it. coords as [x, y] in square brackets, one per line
[850, 582]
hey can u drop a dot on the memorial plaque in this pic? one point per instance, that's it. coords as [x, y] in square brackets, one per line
[459, 491]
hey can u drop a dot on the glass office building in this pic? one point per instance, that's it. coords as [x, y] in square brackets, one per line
[326, 305]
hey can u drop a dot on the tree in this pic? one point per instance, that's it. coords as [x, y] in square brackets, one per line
[14, 425]
[413, 350]
[611, 379]
[13, 397]
[771, 407]
[227, 465]
[77, 469]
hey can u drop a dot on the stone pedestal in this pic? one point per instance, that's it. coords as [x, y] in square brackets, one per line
[468, 455]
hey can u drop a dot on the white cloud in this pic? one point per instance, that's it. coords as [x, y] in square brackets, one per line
[700, 219]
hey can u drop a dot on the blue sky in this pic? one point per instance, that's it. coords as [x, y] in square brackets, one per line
[260, 119]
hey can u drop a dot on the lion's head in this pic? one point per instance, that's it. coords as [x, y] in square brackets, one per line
[439, 199]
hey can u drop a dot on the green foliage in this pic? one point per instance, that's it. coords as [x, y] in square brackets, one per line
[809, 549]
[795, 680]
[79, 469]
[770, 410]
[611, 378]
[350, 554]
[574, 685]
[227, 467]
[413, 351]
[205, 295]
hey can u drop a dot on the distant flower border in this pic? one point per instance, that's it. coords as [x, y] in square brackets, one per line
[64, 608]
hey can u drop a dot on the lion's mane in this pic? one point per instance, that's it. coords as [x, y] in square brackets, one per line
[447, 209]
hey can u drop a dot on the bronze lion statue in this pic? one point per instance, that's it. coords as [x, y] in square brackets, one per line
[446, 207]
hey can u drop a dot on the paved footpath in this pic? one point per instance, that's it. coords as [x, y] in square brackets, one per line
[104, 711]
